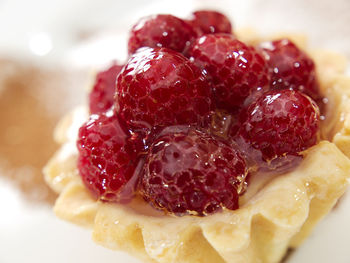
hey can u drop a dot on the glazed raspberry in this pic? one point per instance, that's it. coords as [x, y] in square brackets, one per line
[161, 31]
[280, 123]
[235, 69]
[208, 22]
[160, 87]
[290, 68]
[108, 156]
[190, 172]
[101, 97]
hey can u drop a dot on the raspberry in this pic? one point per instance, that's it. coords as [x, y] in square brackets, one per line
[101, 97]
[160, 87]
[108, 156]
[161, 31]
[235, 69]
[188, 171]
[290, 68]
[209, 22]
[280, 123]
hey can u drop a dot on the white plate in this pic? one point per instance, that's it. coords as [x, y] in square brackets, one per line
[46, 32]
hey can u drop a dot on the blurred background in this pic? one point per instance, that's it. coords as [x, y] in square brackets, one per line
[49, 51]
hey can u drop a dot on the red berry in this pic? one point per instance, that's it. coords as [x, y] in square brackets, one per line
[209, 22]
[290, 68]
[108, 156]
[235, 69]
[190, 172]
[280, 123]
[161, 31]
[102, 95]
[160, 87]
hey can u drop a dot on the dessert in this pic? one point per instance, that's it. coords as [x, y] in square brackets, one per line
[217, 148]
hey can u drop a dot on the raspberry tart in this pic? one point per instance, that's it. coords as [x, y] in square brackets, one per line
[208, 145]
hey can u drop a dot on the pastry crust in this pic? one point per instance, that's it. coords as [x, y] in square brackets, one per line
[278, 216]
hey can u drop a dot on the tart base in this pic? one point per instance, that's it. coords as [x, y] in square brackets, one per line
[280, 215]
